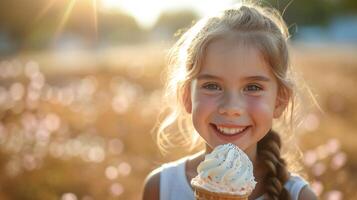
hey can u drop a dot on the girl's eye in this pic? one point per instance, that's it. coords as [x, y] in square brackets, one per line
[253, 88]
[212, 86]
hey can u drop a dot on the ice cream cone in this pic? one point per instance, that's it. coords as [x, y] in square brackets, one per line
[202, 194]
[225, 174]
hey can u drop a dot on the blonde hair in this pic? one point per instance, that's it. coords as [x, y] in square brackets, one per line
[261, 27]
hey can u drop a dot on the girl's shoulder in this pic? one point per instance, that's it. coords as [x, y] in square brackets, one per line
[152, 185]
[295, 179]
[299, 188]
[172, 169]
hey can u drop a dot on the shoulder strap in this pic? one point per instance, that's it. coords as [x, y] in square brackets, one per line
[173, 183]
[294, 185]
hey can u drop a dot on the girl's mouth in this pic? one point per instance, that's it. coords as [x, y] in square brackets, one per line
[226, 133]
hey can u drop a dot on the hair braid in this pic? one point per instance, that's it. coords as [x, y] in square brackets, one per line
[269, 153]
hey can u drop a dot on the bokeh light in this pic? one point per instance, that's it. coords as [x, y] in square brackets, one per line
[81, 87]
[124, 168]
[334, 195]
[69, 196]
[116, 189]
[317, 187]
[111, 172]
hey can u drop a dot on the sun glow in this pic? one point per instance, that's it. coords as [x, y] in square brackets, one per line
[147, 12]
[111, 4]
[68, 11]
[95, 18]
[45, 10]
[65, 18]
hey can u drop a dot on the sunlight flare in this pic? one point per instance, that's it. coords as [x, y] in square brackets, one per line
[65, 18]
[45, 10]
[95, 18]
[145, 12]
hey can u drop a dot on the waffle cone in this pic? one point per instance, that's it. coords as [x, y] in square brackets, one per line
[202, 194]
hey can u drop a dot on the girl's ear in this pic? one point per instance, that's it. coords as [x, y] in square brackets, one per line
[281, 102]
[186, 98]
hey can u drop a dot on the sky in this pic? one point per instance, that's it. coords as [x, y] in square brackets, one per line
[146, 12]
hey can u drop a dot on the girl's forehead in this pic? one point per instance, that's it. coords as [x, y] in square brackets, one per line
[234, 61]
[227, 45]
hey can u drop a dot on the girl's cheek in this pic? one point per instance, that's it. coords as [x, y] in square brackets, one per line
[259, 105]
[204, 102]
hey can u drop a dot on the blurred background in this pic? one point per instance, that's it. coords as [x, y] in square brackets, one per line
[81, 81]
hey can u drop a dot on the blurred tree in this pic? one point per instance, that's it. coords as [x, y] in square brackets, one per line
[26, 23]
[16, 17]
[312, 12]
[118, 27]
[170, 22]
[34, 24]
[346, 6]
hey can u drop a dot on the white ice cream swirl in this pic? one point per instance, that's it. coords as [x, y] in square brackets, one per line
[227, 169]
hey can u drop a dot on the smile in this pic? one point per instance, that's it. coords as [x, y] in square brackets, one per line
[229, 131]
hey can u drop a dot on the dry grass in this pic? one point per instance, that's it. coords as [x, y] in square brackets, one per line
[84, 130]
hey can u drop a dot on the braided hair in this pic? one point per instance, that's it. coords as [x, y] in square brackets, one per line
[277, 175]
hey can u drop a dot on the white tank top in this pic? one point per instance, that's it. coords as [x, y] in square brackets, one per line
[174, 185]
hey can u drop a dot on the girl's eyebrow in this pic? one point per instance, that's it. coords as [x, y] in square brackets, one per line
[208, 76]
[248, 78]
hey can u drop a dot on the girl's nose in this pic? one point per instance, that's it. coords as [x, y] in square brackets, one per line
[232, 105]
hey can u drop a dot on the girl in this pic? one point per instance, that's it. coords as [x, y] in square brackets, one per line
[230, 77]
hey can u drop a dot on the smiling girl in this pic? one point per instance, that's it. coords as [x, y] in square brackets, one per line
[231, 78]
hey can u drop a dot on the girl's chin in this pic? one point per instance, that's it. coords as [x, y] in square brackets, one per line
[250, 151]
[213, 144]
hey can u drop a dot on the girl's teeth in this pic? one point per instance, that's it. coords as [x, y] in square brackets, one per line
[230, 131]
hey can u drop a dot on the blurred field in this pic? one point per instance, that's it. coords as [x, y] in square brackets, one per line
[76, 125]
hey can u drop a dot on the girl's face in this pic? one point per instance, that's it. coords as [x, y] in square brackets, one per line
[233, 99]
